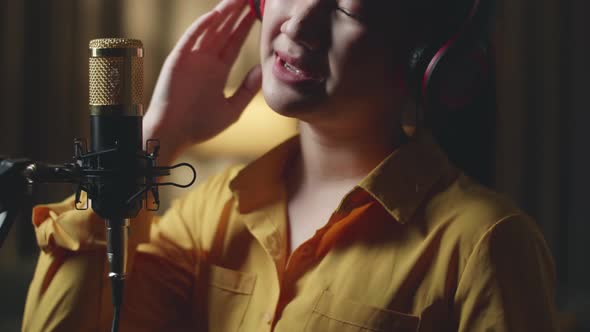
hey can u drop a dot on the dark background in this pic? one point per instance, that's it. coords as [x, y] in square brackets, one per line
[536, 152]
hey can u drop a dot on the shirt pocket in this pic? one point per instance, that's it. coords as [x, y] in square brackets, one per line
[228, 297]
[335, 313]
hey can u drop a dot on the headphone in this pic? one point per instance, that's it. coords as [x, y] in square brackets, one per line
[257, 7]
[449, 70]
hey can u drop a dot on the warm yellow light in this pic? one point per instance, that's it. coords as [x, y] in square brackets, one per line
[258, 130]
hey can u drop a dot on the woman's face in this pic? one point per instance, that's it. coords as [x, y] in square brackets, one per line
[330, 56]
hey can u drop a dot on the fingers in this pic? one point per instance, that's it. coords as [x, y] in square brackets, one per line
[232, 48]
[220, 32]
[216, 37]
[207, 24]
[226, 6]
[247, 89]
[228, 26]
[190, 36]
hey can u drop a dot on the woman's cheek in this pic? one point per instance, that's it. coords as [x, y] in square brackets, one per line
[349, 46]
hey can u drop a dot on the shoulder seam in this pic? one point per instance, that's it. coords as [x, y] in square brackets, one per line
[484, 236]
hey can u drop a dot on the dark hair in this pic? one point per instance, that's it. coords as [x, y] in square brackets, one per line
[467, 134]
[435, 21]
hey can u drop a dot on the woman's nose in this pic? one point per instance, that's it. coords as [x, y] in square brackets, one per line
[308, 23]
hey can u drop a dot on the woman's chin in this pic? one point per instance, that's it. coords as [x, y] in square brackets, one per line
[291, 103]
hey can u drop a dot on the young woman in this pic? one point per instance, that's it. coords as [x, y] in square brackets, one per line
[350, 226]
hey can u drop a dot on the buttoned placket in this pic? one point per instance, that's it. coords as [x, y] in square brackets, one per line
[271, 235]
[274, 242]
[305, 255]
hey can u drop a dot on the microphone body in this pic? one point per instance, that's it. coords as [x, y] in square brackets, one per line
[116, 111]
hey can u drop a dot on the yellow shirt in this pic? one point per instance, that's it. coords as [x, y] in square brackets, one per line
[416, 246]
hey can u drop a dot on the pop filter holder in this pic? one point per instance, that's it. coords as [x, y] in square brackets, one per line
[89, 177]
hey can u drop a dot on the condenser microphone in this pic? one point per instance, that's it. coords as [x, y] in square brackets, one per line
[116, 173]
[116, 112]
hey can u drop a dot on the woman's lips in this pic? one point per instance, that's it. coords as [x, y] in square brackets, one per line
[290, 70]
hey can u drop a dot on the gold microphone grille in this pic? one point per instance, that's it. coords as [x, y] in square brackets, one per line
[115, 72]
[115, 43]
[107, 77]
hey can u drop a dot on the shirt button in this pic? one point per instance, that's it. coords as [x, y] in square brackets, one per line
[268, 318]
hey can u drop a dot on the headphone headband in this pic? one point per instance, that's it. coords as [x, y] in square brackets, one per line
[460, 39]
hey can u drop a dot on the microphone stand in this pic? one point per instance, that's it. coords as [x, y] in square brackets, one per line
[117, 235]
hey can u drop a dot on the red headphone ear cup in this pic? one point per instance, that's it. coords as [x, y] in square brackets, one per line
[257, 8]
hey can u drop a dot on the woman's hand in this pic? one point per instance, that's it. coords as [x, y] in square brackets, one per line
[188, 105]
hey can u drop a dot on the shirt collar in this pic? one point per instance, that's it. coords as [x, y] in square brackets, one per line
[261, 182]
[403, 180]
[400, 183]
